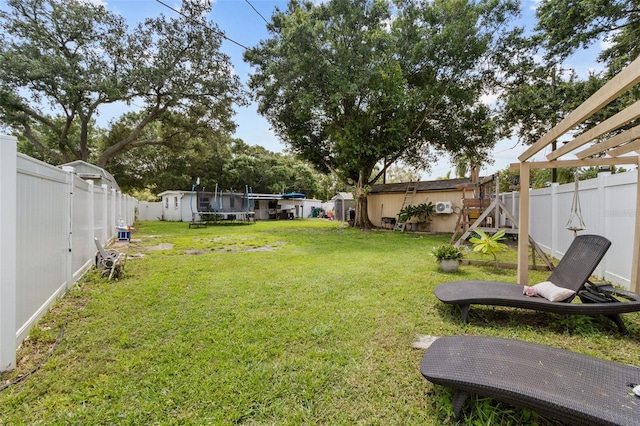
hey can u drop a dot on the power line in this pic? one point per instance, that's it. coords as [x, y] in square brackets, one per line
[220, 33]
[256, 10]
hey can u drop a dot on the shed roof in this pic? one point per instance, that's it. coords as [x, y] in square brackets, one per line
[343, 196]
[90, 171]
[423, 186]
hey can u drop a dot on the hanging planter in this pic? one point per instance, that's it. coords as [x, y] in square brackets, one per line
[576, 223]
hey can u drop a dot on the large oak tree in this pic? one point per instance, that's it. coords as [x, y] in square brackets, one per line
[351, 84]
[63, 60]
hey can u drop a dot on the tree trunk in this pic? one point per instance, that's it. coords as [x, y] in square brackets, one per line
[362, 215]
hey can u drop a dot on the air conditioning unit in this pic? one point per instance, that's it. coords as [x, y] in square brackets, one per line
[444, 207]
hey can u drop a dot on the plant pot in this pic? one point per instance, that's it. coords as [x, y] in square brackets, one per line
[449, 265]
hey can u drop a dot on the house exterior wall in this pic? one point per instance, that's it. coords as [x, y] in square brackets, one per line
[388, 204]
[172, 207]
[179, 210]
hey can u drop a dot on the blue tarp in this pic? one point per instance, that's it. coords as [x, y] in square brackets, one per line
[294, 195]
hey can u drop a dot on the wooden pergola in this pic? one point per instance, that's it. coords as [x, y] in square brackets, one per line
[597, 141]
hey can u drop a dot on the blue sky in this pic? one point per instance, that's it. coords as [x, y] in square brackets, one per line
[241, 23]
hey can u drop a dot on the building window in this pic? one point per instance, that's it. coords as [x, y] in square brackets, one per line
[231, 202]
[175, 203]
[166, 203]
[203, 204]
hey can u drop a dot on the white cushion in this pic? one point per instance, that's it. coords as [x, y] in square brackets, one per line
[552, 292]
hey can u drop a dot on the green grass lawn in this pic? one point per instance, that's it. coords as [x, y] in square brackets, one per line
[274, 323]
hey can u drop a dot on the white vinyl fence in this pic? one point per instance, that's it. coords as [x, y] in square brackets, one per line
[49, 218]
[608, 205]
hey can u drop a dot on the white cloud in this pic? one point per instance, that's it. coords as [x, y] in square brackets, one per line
[489, 99]
[94, 2]
[607, 41]
[535, 4]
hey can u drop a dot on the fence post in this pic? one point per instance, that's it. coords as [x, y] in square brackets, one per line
[634, 285]
[113, 213]
[8, 245]
[91, 213]
[119, 206]
[514, 204]
[602, 221]
[105, 214]
[72, 185]
[555, 221]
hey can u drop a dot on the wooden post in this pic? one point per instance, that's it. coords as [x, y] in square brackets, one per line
[523, 226]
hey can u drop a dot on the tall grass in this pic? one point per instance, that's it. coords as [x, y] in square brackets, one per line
[287, 323]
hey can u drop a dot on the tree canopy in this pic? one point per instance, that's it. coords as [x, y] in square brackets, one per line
[566, 26]
[231, 165]
[64, 60]
[540, 90]
[350, 84]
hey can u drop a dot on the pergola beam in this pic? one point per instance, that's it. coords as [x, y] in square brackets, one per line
[587, 162]
[625, 149]
[619, 84]
[612, 123]
[613, 142]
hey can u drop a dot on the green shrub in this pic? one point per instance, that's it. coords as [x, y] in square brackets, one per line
[446, 252]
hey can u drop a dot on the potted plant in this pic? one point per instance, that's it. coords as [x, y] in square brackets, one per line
[421, 213]
[406, 213]
[424, 212]
[448, 257]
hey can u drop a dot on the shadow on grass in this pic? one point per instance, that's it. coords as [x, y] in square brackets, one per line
[497, 317]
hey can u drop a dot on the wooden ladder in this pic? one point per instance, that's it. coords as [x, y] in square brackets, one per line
[409, 195]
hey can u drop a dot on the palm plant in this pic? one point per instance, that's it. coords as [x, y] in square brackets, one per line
[488, 244]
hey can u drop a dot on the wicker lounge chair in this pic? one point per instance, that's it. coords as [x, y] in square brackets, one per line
[567, 386]
[572, 272]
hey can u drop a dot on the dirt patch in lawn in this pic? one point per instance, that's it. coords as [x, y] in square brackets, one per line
[194, 252]
[161, 246]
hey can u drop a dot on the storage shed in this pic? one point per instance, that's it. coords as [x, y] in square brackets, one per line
[384, 201]
[343, 204]
[175, 206]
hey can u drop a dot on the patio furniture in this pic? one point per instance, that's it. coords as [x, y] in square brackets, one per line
[572, 272]
[109, 261]
[574, 388]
